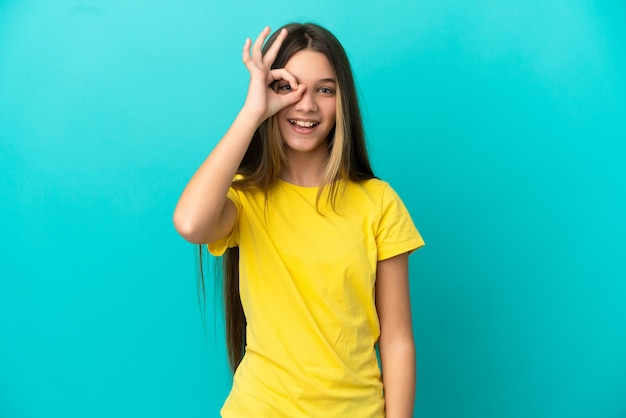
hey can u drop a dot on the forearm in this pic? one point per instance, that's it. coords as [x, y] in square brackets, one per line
[197, 214]
[203, 214]
[397, 349]
[399, 376]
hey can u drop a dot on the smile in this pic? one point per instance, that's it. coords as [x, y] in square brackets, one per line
[303, 123]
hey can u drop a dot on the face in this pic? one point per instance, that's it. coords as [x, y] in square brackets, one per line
[306, 124]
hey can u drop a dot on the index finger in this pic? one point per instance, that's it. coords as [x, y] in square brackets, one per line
[270, 55]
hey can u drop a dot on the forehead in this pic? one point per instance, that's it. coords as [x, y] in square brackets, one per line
[308, 65]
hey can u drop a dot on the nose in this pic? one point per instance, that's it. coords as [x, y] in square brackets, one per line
[307, 103]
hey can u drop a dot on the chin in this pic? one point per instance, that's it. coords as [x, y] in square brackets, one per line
[304, 148]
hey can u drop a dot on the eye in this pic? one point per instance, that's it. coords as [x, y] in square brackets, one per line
[283, 88]
[326, 91]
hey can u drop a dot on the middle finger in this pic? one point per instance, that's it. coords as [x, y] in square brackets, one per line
[258, 44]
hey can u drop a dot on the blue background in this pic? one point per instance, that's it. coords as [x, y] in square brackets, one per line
[500, 123]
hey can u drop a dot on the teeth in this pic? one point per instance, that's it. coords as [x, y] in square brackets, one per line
[304, 124]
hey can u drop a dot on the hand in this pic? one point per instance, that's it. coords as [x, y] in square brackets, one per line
[262, 100]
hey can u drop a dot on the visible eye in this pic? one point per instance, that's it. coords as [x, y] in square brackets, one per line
[283, 88]
[326, 90]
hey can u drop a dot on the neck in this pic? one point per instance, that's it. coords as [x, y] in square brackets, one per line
[304, 169]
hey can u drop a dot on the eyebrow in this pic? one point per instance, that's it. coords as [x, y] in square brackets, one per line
[328, 80]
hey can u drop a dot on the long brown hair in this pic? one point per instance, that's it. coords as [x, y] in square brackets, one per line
[262, 162]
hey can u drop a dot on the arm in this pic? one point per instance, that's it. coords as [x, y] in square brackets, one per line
[396, 345]
[203, 213]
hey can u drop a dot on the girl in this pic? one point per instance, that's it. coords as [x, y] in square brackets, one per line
[316, 263]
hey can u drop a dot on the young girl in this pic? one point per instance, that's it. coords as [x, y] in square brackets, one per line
[317, 248]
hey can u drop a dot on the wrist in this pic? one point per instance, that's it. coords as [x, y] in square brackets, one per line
[251, 115]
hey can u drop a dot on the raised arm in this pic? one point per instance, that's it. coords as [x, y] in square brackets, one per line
[397, 348]
[203, 213]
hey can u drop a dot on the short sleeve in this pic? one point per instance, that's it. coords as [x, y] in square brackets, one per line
[396, 232]
[218, 248]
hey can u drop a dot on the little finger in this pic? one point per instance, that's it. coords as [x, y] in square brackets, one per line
[245, 55]
[257, 55]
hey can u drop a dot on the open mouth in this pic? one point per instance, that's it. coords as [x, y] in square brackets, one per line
[303, 123]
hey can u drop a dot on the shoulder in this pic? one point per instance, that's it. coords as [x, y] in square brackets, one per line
[381, 198]
[369, 196]
[375, 184]
[371, 186]
[374, 189]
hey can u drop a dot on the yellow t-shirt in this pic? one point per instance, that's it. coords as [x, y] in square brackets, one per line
[307, 288]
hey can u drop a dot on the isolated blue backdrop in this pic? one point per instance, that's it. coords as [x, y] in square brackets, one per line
[500, 123]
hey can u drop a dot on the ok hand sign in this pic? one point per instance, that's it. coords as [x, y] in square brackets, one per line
[262, 100]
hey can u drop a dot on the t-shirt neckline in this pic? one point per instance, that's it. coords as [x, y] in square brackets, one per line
[297, 187]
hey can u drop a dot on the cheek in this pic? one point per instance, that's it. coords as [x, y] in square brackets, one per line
[281, 113]
[280, 118]
[282, 127]
[330, 111]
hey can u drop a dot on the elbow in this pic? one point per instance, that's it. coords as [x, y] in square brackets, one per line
[187, 229]
[406, 345]
[400, 341]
